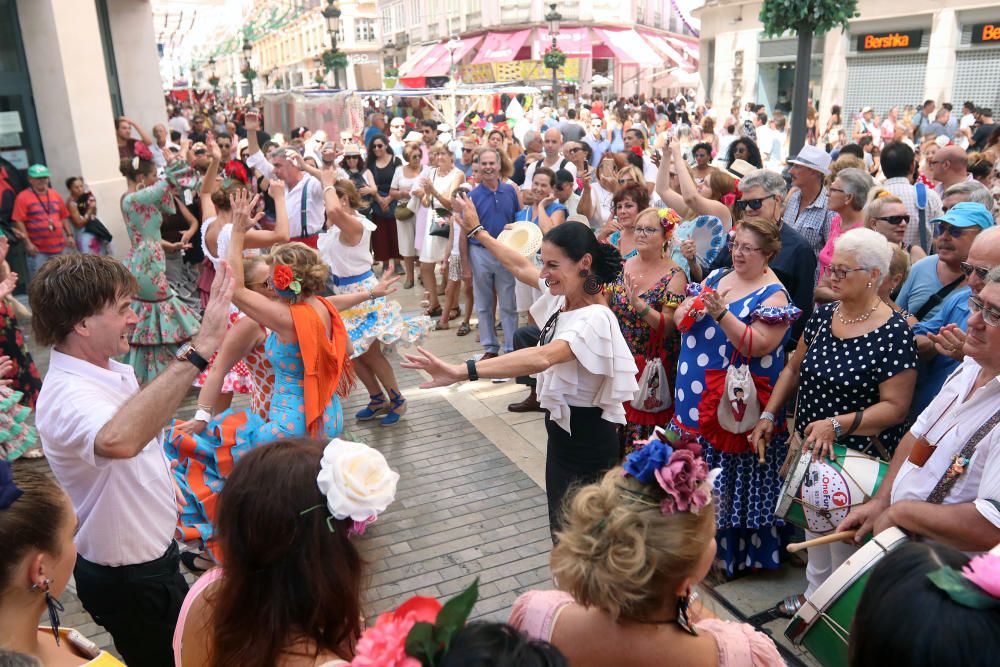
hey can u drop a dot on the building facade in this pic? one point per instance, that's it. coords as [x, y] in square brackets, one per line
[893, 55]
[67, 69]
[636, 45]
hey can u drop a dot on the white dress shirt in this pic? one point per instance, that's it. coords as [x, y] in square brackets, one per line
[315, 206]
[126, 507]
[949, 422]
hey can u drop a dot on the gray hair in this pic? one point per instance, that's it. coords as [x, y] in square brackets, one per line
[489, 149]
[994, 275]
[869, 248]
[771, 182]
[972, 191]
[857, 183]
[531, 136]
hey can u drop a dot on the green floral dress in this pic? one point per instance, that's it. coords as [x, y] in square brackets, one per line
[165, 322]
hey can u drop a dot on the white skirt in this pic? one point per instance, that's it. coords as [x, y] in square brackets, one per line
[406, 232]
[434, 248]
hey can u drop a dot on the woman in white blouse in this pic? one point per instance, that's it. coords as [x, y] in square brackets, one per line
[584, 367]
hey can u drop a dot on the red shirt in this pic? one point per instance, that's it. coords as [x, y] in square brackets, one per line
[43, 217]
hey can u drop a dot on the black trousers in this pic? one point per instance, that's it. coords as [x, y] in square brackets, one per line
[526, 336]
[577, 460]
[137, 604]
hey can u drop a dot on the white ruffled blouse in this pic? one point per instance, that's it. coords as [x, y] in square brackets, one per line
[603, 373]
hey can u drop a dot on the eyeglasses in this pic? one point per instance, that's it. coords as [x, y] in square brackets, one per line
[752, 204]
[646, 231]
[623, 181]
[942, 228]
[991, 316]
[742, 249]
[840, 272]
[549, 330]
[895, 219]
[981, 271]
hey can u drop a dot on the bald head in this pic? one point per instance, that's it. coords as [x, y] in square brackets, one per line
[950, 165]
[552, 140]
[984, 254]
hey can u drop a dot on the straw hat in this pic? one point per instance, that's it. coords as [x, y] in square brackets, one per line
[524, 237]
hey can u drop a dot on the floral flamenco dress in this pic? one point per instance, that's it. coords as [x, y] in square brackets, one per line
[748, 534]
[165, 322]
[16, 435]
[638, 334]
[310, 376]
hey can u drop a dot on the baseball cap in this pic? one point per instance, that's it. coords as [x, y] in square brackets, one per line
[814, 158]
[413, 137]
[866, 110]
[967, 214]
[38, 171]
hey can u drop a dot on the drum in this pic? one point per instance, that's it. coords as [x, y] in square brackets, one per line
[822, 625]
[818, 495]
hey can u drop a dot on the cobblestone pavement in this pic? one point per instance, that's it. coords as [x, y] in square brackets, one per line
[470, 500]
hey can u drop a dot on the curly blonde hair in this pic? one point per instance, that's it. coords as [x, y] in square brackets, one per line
[306, 264]
[622, 555]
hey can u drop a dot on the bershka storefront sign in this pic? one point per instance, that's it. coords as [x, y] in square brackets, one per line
[890, 41]
[986, 33]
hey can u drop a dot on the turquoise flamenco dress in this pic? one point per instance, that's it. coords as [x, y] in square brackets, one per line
[205, 460]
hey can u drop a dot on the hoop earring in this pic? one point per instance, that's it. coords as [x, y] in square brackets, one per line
[547, 283]
[591, 285]
[54, 607]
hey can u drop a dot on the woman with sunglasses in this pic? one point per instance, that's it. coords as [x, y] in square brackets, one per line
[848, 193]
[853, 371]
[380, 166]
[585, 369]
[404, 181]
[887, 215]
[745, 316]
[744, 149]
[354, 167]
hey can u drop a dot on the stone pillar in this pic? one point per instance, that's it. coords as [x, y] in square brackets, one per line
[940, 76]
[134, 43]
[834, 81]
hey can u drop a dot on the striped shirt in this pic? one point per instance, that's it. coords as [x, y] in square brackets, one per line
[43, 217]
[813, 222]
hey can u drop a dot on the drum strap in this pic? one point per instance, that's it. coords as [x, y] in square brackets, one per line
[960, 462]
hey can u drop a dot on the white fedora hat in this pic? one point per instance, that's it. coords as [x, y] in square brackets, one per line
[814, 158]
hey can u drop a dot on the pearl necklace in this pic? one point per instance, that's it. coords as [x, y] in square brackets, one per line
[860, 318]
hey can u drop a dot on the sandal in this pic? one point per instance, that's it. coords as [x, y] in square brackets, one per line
[464, 329]
[396, 411]
[454, 313]
[190, 560]
[441, 326]
[790, 606]
[433, 312]
[376, 406]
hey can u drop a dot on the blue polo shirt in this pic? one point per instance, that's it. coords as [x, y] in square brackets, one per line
[496, 209]
[932, 374]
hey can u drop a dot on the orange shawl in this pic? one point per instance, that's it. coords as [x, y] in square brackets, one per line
[326, 361]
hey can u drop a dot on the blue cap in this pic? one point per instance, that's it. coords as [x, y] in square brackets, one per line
[967, 214]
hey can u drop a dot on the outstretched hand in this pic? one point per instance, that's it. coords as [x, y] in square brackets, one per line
[243, 205]
[6, 368]
[469, 219]
[442, 374]
[385, 286]
[7, 285]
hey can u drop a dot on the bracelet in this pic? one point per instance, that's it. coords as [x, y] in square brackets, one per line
[721, 316]
[769, 416]
[858, 416]
[371, 295]
[838, 430]
[644, 311]
[471, 366]
[202, 416]
[206, 408]
[475, 231]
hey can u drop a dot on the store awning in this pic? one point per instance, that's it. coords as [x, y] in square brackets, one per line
[673, 57]
[687, 49]
[418, 58]
[630, 48]
[574, 42]
[438, 62]
[500, 47]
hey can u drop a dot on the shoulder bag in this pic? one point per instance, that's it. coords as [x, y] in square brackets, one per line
[654, 395]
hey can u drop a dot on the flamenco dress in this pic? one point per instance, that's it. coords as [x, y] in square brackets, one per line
[748, 534]
[165, 322]
[310, 376]
[16, 435]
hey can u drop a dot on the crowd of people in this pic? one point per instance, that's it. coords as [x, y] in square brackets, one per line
[692, 310]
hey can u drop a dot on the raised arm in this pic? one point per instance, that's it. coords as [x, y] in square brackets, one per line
[689, 191]
[210, 184]
[143, 417]
[667, 194]
[143, 135]
[264, 238]
[255, 158]
[351, 228]
[519, 265]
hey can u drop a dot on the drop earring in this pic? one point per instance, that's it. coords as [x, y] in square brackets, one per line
[53, 605]
[683, 602]
[591, 285]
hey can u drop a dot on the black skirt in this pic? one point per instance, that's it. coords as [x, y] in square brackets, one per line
[576, 460]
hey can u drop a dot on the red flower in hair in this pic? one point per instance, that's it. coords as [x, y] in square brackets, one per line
[637, 150]
[235, 169]
[142, 150]
[283, 276]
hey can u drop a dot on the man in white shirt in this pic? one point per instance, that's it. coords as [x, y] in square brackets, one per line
[944, 479]
[179, 123]
[552, 140]
[303, 193]
[103, 438]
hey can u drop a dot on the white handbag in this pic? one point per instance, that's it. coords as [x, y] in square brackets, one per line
[739, 408]
[654, 393]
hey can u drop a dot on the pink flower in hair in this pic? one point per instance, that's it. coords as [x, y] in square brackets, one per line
[984, 572]
[680, 479]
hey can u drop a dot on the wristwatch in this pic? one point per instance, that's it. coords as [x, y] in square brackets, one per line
[837, 428]
[186, 352]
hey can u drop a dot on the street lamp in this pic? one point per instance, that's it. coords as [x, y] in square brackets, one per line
[454, 44]
[247, 51]
[553, 18]
[213, 79]
[332, 15]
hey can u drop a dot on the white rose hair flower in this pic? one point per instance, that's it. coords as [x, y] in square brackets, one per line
[357, 482]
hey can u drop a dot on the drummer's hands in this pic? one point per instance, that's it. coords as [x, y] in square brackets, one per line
[763, 430]
[819, 439]
[863, 518]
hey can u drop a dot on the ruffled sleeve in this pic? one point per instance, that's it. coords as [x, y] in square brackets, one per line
[595, 338]
[776, 314]
[741, 646]
[534, 613]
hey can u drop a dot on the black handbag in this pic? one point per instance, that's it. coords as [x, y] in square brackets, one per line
[440, 228]
[97, 228]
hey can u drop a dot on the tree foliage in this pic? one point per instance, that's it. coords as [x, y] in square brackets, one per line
[554, 59]
[820, 16]
[334, 60]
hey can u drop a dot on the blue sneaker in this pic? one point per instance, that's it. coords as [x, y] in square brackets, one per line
[376, 406]
[395, 413]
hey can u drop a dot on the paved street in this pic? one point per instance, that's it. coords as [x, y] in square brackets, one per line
[470, 500]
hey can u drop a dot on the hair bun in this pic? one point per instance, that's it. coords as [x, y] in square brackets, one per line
[607, 263]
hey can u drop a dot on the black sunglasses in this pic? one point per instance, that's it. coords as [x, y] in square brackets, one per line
[895, 219]
[752, 204]
[942, 228]
[981, 271]
[378, 145]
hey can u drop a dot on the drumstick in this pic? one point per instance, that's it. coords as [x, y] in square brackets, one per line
[824, 539]
[761, 450]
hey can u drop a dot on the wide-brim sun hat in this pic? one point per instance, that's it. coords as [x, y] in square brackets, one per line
[524, 237]
[740, 168]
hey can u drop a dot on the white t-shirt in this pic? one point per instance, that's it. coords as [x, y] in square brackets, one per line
[126, 507]
[400, 181]
[530, 171]
[347, 261]
[602, 202]
[949, 423]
